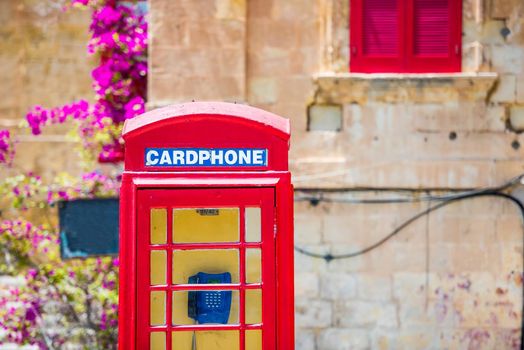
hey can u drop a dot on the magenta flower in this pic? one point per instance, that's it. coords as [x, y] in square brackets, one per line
[30, 315]
[80, 2]
[107, 15]
[32, 273]
[134, 107]
[6, 147]
[103, 76]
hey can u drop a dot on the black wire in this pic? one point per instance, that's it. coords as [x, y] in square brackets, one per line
[484, 193]
[408, 222]
[314, 200]
[329, 257]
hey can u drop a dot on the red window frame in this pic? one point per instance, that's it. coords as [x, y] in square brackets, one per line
[264, 198]
[406, 60]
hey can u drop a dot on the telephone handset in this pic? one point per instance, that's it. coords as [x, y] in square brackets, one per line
[209, 306]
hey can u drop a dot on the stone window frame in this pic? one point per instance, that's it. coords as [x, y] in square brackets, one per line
[335, 33]
[336, 85]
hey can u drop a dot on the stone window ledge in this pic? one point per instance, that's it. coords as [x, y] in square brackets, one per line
[341, 88]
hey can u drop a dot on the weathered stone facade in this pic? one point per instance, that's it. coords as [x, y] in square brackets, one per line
[453, 279]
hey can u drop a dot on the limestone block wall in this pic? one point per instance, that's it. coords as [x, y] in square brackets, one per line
[213, 35]
[451, 280]
[43, 60]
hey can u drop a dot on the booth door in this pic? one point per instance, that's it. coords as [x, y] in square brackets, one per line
[206, 269]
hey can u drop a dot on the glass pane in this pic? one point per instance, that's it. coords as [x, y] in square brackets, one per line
[206, 340]
[253, 265]
[253, 306]
[158, 267]
[180, 307]
[158, 226]
[218, 340]
[158, 341]
[253, 224]
[183, 340]
[205, 225]
[187, 263]
[158, 308]
[254, 340]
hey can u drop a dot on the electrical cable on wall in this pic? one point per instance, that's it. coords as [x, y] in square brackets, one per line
[444, 201]
[314, 200]
[328, 257]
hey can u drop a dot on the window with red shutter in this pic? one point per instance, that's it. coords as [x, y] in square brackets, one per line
[405, 36]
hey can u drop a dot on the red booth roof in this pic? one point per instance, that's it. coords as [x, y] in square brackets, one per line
[279, 124]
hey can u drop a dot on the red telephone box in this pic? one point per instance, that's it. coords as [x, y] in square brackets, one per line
[206, 230]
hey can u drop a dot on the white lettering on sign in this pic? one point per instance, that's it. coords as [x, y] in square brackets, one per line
[152, 158]
[165, 159]
[207, 157]
[191, 157]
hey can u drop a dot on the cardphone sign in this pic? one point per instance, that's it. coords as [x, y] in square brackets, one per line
[206, 230]
[177, 157]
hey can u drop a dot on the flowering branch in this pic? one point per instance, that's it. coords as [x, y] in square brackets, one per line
[119, 38]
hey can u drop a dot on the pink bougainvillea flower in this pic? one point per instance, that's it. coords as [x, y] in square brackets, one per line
[107, 15]
[134, 107]
[7, 150]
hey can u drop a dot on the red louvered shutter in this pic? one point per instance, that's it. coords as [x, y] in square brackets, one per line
[433, 34]
[376, 36]
[405, 36]
[431, 27]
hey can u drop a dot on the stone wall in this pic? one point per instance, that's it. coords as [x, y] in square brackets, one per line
[43, 61]
[453, 279]
[213, 34]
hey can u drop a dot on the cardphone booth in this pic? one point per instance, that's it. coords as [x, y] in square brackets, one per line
[206, 230]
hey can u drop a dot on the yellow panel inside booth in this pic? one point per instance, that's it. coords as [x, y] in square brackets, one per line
[158, 226]
[207, 340]
[254, 340]
[253, 224]
[206, 225]
[253, 265]
[253, 306]
[158, 261]
[157, 308]
[158, 341]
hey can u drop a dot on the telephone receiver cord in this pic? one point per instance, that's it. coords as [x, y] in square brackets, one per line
[193, 342]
